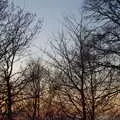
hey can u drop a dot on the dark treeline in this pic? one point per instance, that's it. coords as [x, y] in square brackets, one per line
[81, 79]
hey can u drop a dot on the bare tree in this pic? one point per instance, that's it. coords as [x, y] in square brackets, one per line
[106, 40]
[67, 51]
[36, 76]
[78, 61]
[16, 35]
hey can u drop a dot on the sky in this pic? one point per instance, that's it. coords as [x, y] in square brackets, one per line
[52, 11]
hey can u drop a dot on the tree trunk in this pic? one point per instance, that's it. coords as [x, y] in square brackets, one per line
[35, 108]
[83, 106]
[9, 100]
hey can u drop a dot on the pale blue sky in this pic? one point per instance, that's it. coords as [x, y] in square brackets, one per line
[51, 11]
